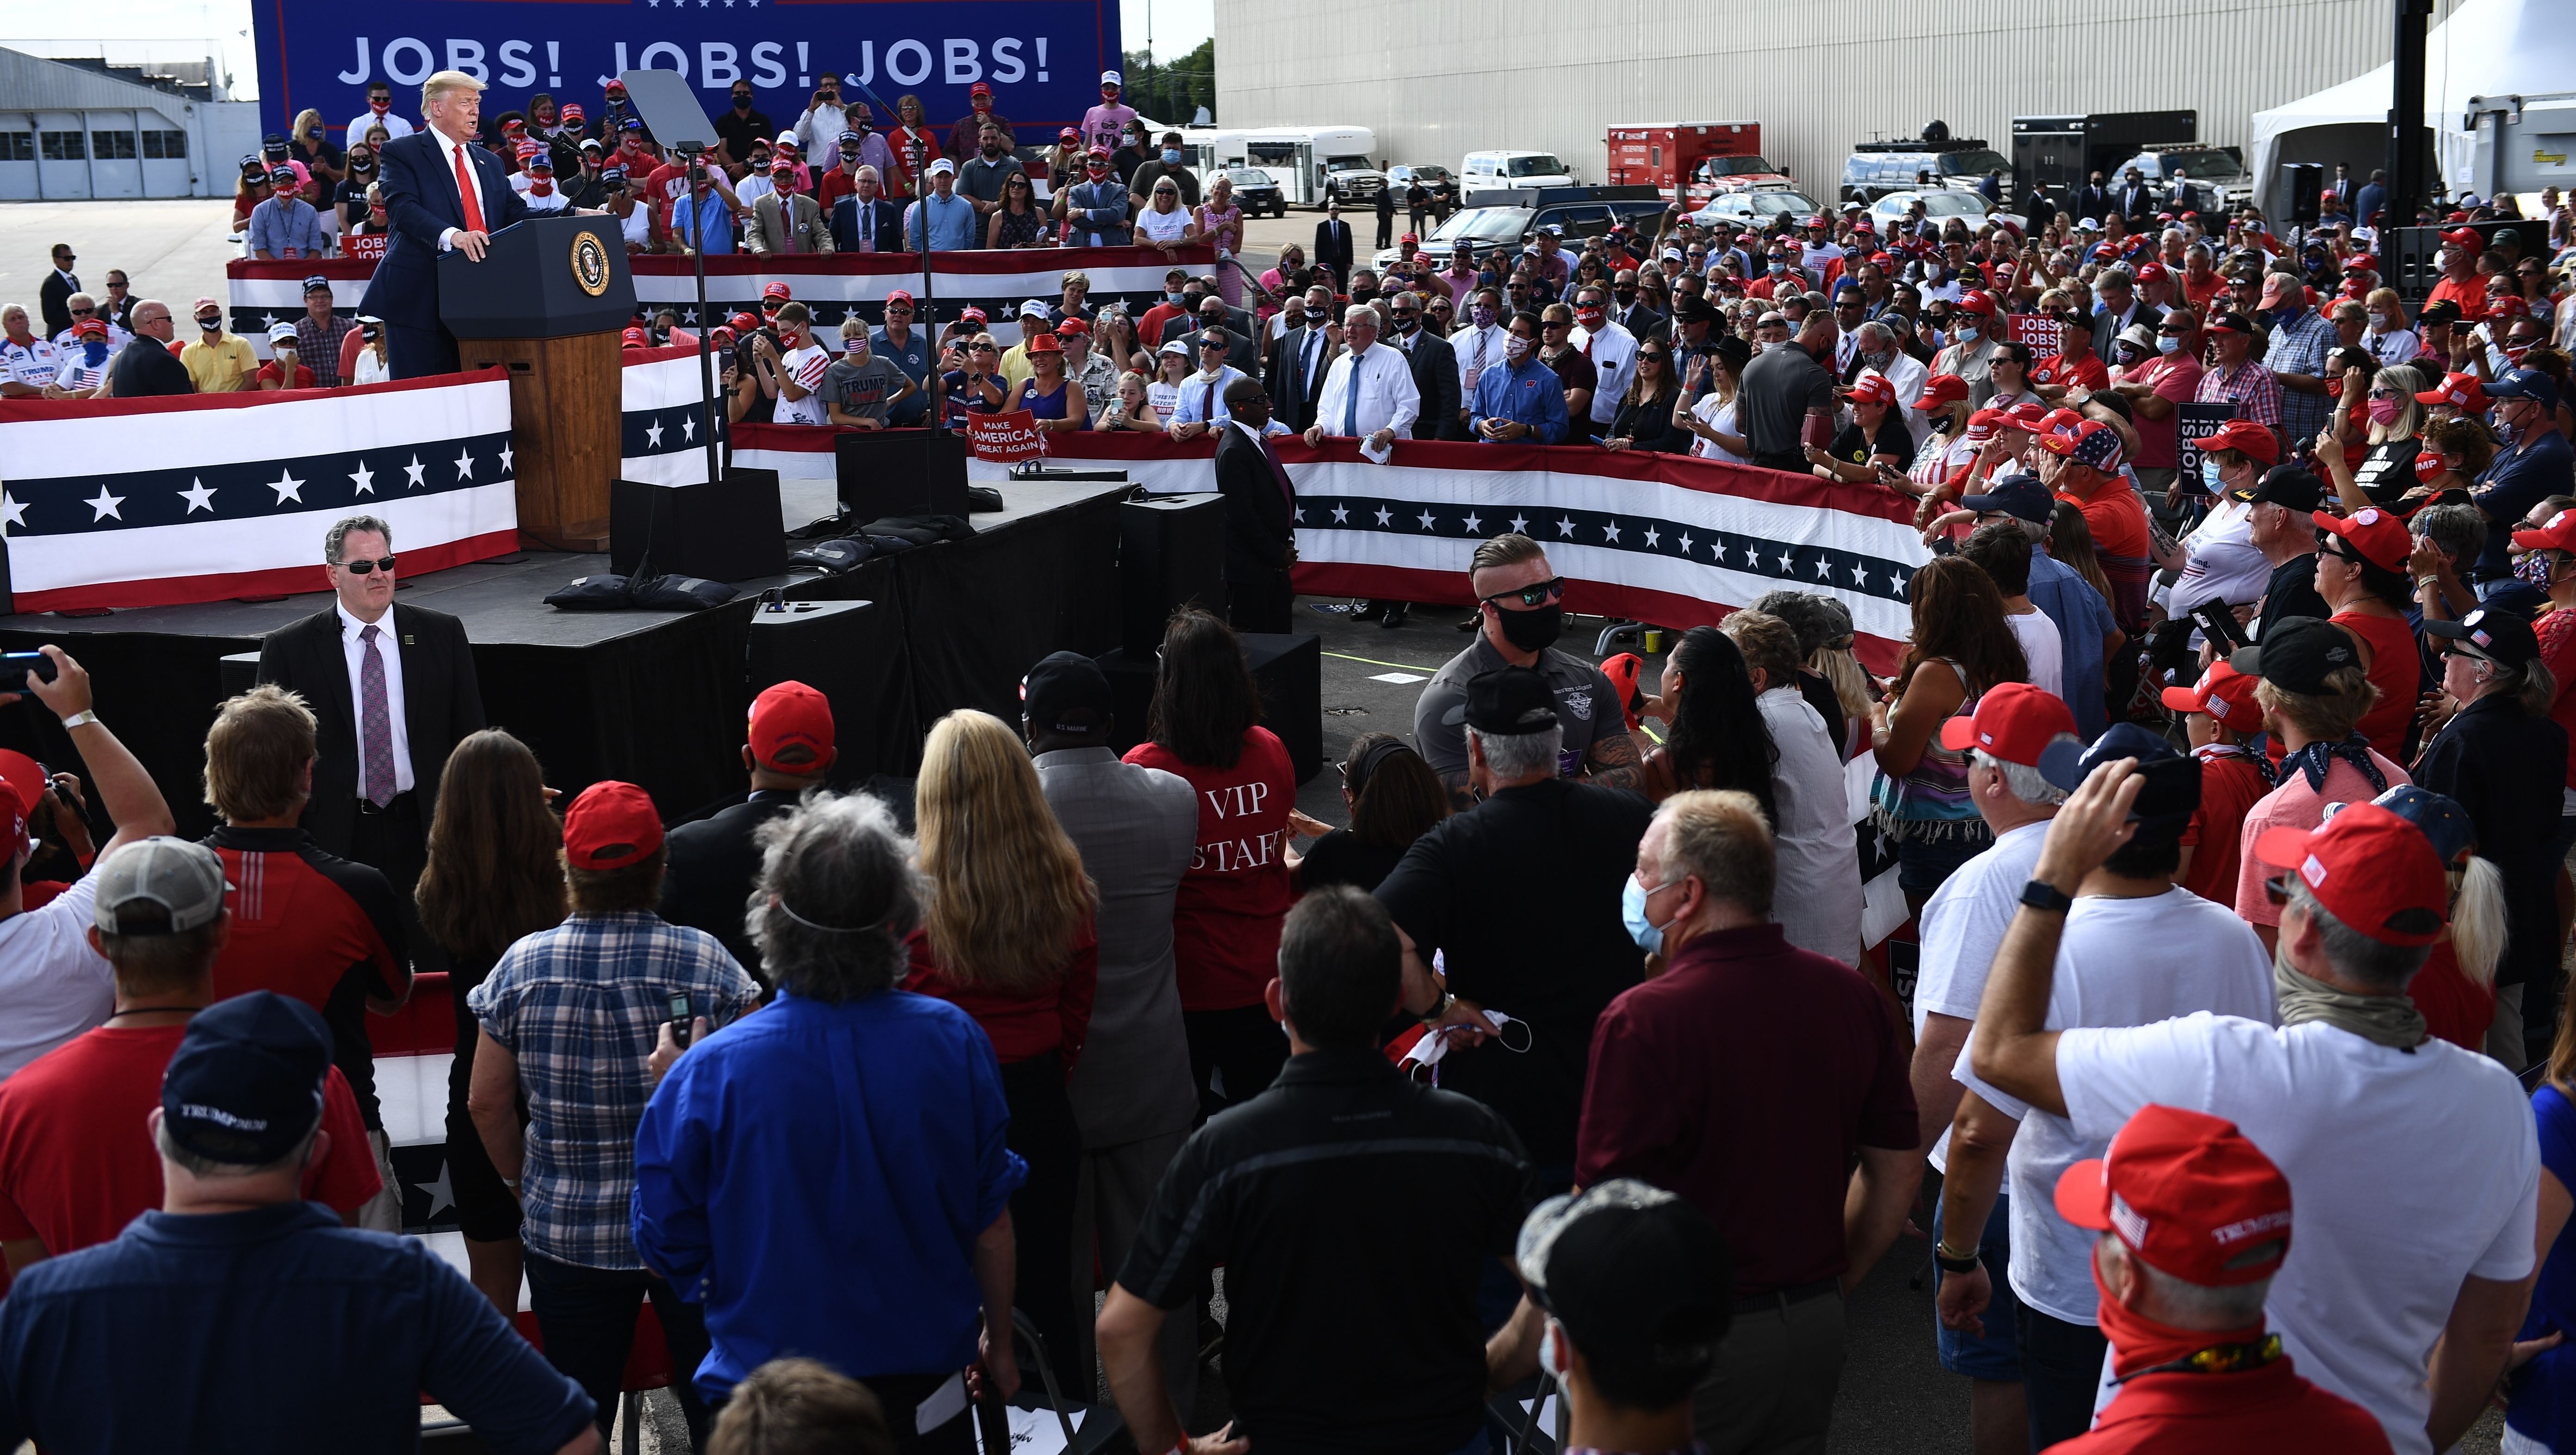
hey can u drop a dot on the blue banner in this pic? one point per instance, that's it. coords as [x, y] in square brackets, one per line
[1043, 58]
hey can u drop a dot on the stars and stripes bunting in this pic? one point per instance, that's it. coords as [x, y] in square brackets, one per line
[155, 502]
[662, 427]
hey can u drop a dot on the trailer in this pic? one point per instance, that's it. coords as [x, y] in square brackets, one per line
[2062, 151]
[1699, 159]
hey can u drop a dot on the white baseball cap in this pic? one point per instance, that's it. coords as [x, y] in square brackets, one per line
[1112, 78]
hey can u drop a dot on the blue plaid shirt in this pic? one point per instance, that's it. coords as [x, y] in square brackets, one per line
[580, 1006]
[2300, 346]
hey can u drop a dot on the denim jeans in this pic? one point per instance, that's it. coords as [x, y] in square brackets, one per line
[586, 1316]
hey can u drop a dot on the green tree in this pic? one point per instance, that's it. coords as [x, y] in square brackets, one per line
[1173, 90]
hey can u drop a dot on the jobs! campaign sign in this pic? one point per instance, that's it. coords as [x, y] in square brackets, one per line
[1043, 58]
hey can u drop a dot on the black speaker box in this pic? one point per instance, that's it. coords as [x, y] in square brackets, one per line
[1287, 669]
[2306, 181]
[886, 472]
[1171, 552]
[852, 652]
[729, 530]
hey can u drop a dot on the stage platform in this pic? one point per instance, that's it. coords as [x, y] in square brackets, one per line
[659, 697]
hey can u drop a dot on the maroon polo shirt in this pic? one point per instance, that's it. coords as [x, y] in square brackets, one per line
[1746, 1078]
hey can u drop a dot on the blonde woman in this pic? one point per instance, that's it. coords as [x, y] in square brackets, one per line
[2388, 338]
[1007, 936]
[2386, 469]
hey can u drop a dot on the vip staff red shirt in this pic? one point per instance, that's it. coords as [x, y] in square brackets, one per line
[76, 1158]
[1225, 925]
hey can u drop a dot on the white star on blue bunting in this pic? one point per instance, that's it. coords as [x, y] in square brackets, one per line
[364, 479]
[465, 463]
[287, 487]
[198, 497]
[104, 505]
[414, 469]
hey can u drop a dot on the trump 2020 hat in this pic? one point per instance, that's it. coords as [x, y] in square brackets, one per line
[2186, 1192]
[1636, 1276]
[611, 825]
[2093, 444]
[2223, 693]
[158, 886]
[2246, 438]
[2014, 721]
[1067, 692]
[1510, 701]
[788, 716]
[2371, 868]
[245, 1086]
[2378, 536]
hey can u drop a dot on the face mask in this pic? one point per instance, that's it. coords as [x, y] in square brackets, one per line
[380, 106]
[1966, 333]
[2166, 343]
[2382, 411]
[1632, 908]
[211, 323]
[1778, 266]
[1534, 630]
[2534, 568]
[1515, 348]
[1407, 322]
[1171, 295]
[2379, 320]
[742, 103]
[1363, 295]
[2130, 354]
[1625, 296]
[1880, 361]
[1482, 314]
[1171, 156]
[2209, 475]
[94, 351]
[541, 188]
[1547, 1350]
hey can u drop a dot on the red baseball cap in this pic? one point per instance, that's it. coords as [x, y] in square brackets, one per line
[24, 774]
[777, 289]
[2092, 444]
[2151, 272]
[2466, 237]
[610, 826]
[898, 296]
[2014, 721]
[973, 312]
[979, 89]
[2558, 533]
[743, 322]
[571, 111]
[2371, 868]
[2223, 693]
[791, 714]
[90, 328]
[782, 167]
[636, 338]
[2462, 392]
[2189, 1194]
[1073, 325]
[2380, 536]
[13, 822]
[1983, 424]
[2246, 438]
[1872, 387]
[1068, 134]
[1940, 389]
[2046, 421]
[1976, 301]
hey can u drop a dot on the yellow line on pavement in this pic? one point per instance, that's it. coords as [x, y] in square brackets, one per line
[1374, 662]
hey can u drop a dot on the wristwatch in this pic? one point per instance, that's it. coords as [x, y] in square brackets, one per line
[2042, 895]
[1439, 1007]
[1949, 1262]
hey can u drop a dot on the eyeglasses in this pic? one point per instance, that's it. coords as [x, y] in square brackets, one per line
[83, 312]
[902, 308]
[1538, 595]
[1554, 323]
[983, 349]
[368, 568]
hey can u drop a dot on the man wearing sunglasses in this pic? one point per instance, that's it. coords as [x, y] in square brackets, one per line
[1520, 612]
[393, 690]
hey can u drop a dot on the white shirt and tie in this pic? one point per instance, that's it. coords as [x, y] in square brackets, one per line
[459, 167]
[1478, 349]
[1613, 352]
[353, 647]
[395, 127]
[1365, 393]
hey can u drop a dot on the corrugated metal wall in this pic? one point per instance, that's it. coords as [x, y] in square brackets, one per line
[1437, 78]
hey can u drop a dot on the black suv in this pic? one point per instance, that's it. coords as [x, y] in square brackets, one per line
[1875, 169]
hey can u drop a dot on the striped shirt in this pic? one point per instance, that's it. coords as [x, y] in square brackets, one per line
[580, 1006]
[2300, 346]
[2250, 387]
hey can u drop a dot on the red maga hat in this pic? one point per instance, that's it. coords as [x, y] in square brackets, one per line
[2014, 721]
[790, 715]
[2223, 693]
[2371, 868]
[2379, 536]
[610, 826]
[2189, 1194]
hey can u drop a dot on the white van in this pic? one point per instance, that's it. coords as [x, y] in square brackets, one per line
[1511, 169]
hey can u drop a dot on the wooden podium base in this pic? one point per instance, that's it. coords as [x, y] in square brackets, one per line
[565, 396]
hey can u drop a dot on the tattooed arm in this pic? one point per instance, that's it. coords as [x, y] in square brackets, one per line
[1614, 762]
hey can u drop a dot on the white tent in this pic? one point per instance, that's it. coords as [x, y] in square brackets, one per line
[2485, 48]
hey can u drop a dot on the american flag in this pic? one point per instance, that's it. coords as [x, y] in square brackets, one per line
[157, 502]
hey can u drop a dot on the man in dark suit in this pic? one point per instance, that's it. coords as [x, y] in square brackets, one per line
[867, 221]
[1260, 515]
[714, 860]
[432, 210]
[2092, 199]
[2121, 306]
[1294, 372]
[1435, 371]
[145, 366]
[1333, 246]
[54, 295]
[393, 690]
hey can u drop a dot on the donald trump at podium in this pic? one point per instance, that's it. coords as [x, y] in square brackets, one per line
[442, 192]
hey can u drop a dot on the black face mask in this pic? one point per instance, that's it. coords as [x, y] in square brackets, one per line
[1533, 629]
[1363, 295]
[742, 103]
[1625, 295]
[1407, 322]
[212, 324]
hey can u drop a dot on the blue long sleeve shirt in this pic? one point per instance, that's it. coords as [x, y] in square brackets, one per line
[816, 1175]
[1531, 394]
[287, 227]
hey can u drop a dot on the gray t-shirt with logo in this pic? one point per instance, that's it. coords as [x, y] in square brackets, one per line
[1587, 707]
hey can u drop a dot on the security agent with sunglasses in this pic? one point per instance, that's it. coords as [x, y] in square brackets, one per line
[1520, 612]
[393, 689]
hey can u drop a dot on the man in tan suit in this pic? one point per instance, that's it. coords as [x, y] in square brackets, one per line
[784, 221]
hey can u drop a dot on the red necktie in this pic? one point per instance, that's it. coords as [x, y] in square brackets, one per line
[466, 189]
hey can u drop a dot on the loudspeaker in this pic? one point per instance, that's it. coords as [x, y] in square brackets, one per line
[884, 472]
[851, 652]
[730, 530]
[1287, 670]
[2414, 253]
[1171, 552]
[2306, 180]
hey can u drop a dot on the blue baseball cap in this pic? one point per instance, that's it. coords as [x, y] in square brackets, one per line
[2019, 496]
[245, 1086]
[2523, 382]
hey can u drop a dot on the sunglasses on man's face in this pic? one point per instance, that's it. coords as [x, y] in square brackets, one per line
[1532, 596]
[365, 568]
[83, 312]
[983, 349]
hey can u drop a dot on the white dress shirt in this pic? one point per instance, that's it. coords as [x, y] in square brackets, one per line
[1613, 352]
[1478, 349]
[1387, 397]
[1202, 398]
[388, 647]
[448, 146]
[395, 127]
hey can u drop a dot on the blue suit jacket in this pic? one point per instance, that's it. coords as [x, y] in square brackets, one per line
[418, 179]
[883, 225]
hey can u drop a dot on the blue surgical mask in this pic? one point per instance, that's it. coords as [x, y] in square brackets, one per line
[1171, 295]
[1632, 908]
[1171, 156]
[2209, 474]
[2167, 343]
[1778, 267]
[1967, 333]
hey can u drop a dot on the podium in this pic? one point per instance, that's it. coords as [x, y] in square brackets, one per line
[548, 303]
